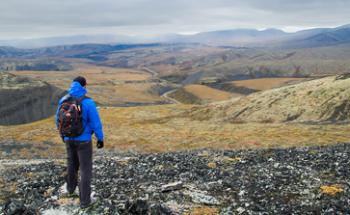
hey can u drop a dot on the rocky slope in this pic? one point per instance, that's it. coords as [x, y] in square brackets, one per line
[319, 100]
[311, 180]
[25, 100]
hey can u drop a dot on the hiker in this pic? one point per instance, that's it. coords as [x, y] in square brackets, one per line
[77, 119]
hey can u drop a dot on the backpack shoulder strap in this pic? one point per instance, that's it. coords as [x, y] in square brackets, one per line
[69, 97]
[82, 98]
[66, 98]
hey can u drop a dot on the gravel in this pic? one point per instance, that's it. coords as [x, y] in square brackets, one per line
[310, 180]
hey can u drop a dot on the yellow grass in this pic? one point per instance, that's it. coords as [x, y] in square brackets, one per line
[266, 83]
[204, 210]
[135, 93]
[331, 190]
[212, 165]
[161, 129]
[207, 93]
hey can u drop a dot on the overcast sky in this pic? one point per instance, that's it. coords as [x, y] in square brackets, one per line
[45, 18]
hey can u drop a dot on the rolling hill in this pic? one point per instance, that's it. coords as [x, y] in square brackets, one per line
[200, 94]
[320, 100]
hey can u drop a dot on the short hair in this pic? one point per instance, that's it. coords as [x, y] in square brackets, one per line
[81, 80]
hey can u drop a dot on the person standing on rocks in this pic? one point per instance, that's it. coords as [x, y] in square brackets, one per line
[77, 119]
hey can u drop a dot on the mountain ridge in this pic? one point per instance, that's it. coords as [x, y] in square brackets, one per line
[243, 36]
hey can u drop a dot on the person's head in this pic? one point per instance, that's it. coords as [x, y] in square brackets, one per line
[81, 80]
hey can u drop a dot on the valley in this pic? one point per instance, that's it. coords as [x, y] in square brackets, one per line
[179, 97]
[108, 86]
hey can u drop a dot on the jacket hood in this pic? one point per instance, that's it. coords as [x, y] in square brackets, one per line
[76, 90]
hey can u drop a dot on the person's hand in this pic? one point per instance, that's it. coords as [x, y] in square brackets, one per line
[99, 144]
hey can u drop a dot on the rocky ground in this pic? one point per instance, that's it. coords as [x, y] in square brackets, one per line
[312, 180]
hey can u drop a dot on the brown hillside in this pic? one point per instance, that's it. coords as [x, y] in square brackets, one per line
[325, 99]
[261, 84]
[207, 93]
[201, 94]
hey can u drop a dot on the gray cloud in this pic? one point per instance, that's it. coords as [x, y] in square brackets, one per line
[40, 18]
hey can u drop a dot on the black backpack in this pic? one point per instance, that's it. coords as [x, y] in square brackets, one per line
[70, 118]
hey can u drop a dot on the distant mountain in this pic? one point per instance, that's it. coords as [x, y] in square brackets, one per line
[274, 37]
[343, 26]
[316, 37]
[75, 51]
[319, 37]
[234, 37]
[6, 51]
[333, 37]
[237, 37]
[69, 40]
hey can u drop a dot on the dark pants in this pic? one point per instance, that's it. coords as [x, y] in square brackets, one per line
[79, 154]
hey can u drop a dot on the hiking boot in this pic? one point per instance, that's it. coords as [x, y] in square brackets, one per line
[64, 193]
[86, 208]
[70, 195]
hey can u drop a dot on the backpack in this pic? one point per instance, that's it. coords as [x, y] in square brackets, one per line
[70, 119]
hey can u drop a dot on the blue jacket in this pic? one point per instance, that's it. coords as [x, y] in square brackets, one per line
[91, 119]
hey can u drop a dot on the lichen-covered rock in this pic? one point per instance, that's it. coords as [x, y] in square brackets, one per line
[313, 180]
